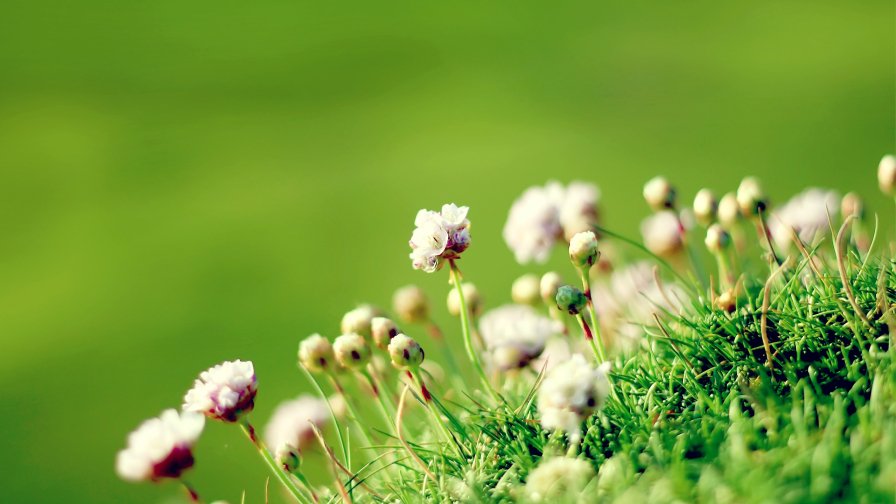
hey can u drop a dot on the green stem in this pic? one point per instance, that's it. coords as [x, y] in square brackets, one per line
[378, 392]
[596, 341]
[281, 476]
[465, 327]
[590, 338]
[320, 390]
[436, 416]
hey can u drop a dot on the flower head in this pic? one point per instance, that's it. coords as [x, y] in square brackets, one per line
[288, 457]
[571, 299]
[526, 290]
[583, 250]
[886, 174]
[411, 304]
[357, 321]
[659, 193]
[570, 393]
[516, 334]
[705, 206]
[160, 447]
[352, 351]
[717, 239]
[439, 236]
[471, 296]
[290, 424]
[405, 352]
[316, 353]
[852, 204]
[560, 478]
[750, 197]
[223, 392]
[662, 233]
[383, 330]
[806, 213]
[550, 284]
[729, 211]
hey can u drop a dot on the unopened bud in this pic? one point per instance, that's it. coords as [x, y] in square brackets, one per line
[316, 353]
[705, 207]
[727, 301]
[383, 330]
[526, 290]
[662, 233]
[352, 351]
[583, 250]
[717, 239]
[886, 174]
[550, 283]
[729, 210]
[411, 304]
[750, 197]
[357, 321]
[471, 296]
[659, 193]
[288, 458]
[405, 352]
[571, 299]
[851, 204]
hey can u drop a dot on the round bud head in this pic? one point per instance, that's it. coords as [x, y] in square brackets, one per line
[852, 204]
[411, 304]
[583, 250]
[727, 301]
[717, 239]
[886, 174]
[659, 193]
[526, 290]
[288, 458]
[352, 351]
[750, 197]
[550, 284]
[405, 352]
[383, 330]
[729, 210]
[571, 299]
[705, 207]
[358, 320]
[508, 357]
[471, 296]
[663, 233]
[316, 353]
[578, 224]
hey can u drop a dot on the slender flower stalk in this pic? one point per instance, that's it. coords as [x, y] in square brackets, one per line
[583, 253]
[192, 494]
[455, 278]
[268, 459]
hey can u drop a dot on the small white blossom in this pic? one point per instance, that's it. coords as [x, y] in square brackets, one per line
[160, 447]
[545, 214]
[705, 206]
[662, 233]
[439, 237]
[659, 193]
[729, 211]
[560, 478]
[290, 424]
[807, 213]
[516, 334]
[358, 320]
[570, 393]
[223, 392]
[411, 304]
[886, 174]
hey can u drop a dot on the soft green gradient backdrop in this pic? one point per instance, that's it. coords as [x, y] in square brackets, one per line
[187, 182]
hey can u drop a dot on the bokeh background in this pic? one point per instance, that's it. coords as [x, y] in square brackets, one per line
[187, 182]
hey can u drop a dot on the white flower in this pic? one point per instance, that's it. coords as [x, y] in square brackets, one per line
[411, 304]
[806, 213]
[160, 447]
[729, 211]
[291, 422]
[659, 193]
[560, 478]
[358, 320]
[439, 237]
[570, 393]
[542, 215]
[516, 334]
[705, 206]
[224, 392]
[662, 233]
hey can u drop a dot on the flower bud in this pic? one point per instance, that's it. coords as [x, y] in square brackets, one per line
[750, 197]
[411, 304]
[570, 299]
[727, 301]
[288, 458]
[852, 204]
[405, 352]
[550, 283]
[729, 210]
[471, 296]
[357, 321]
[662, 233]
[886, 174]
[316, 353]
[352, 351]
[717, 239]
[383, 330]
[705, 207]
[659, 193]
[526, 290]
[583, 250]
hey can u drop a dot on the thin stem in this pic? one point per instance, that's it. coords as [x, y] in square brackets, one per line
[431, 407]
[191, 492]
[350, 406]
[377, 391]
[596, 341]
[301, 477]
[589, 337]
[768, 238]
[281, 476]
[320, 390]
[465, 327]
[401, 439]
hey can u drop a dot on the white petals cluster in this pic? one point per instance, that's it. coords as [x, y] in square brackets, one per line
[223, 392]
[807, 213]
[663, 233]
[560, 478]
[291, 421]
[570, 393]
[160, 447]
[544, 214]
[439, 236]
[515, 334]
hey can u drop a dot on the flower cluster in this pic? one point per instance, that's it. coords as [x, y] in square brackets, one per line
[160, 447]
[570, 393]
[439, 236]
[223, 392]
[291, 422]
[516, 334]
[808, 213]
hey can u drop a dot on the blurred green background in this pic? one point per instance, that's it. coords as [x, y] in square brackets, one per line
[187, 182]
